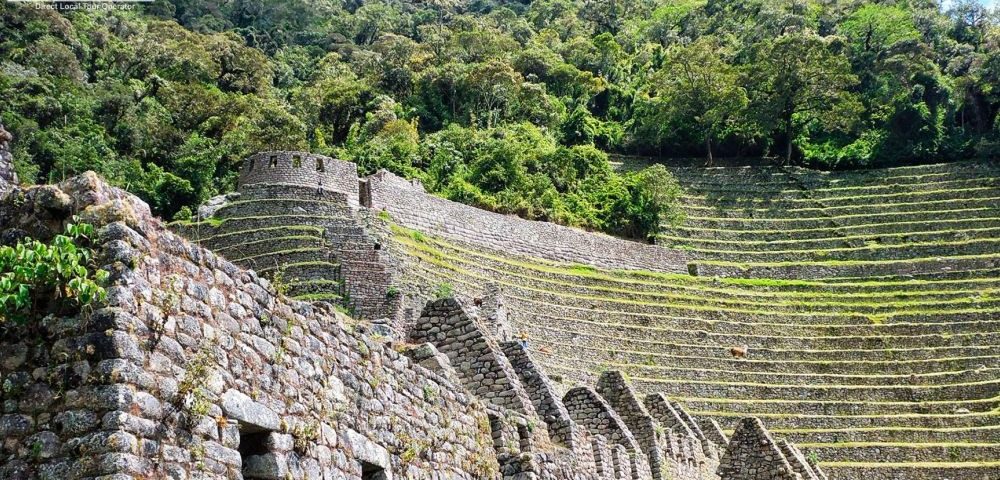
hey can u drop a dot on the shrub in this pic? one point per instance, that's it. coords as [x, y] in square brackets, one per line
[443, 290]
[37, 278]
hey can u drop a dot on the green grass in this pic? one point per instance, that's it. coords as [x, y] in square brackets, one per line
[843, 263]
[431, 251]
[785, 232]
[922, 465]
[838, 217]
[281, 252]
[266, 241]
[438, 258]
[318, 231]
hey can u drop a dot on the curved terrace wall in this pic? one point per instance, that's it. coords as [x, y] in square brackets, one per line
[410, 206]
[303, 169]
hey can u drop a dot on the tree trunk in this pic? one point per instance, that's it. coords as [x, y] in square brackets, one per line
[708, 148]
[788, 140]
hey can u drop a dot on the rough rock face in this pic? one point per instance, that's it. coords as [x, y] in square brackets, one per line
[8, 179]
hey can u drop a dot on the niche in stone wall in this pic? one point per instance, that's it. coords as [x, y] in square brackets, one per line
[251, 164]
[296, 161]
[253, 443]
[319, 165]
[496, 430]
[370, 471]
[274, 161]
[524, 435]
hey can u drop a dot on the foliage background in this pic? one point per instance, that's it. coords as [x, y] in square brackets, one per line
[510, 106]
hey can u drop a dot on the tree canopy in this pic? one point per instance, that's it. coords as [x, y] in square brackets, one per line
[511, 106]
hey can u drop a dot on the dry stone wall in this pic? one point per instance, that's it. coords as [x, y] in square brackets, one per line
[602, 433]
[8, 178]
[409, 205]
[195, 368]
[302, 169]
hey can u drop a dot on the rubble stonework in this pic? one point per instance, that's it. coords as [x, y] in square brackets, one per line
[196, 368]
[329, 240]
[753, 455]
[8, 178]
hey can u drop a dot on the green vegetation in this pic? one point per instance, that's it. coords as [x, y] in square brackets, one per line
[509, 106]
[38, 278]
[444, 290]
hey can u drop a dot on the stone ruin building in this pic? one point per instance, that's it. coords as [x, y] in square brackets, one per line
[315, 324]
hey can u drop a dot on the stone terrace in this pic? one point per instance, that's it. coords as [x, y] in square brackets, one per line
[893, 375]
[868, 303]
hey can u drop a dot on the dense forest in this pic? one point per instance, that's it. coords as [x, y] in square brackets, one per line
[509, 106]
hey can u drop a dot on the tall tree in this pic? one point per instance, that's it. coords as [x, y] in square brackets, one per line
[802, 80]
[698, 89]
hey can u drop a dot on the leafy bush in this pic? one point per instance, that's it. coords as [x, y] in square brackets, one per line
[38, 278]
[444, 290]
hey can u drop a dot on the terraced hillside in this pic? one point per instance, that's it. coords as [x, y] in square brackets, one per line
[280, 231]
[797, 223]
[870, 303]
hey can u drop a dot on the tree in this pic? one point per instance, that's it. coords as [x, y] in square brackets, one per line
[802, 80]
[697, 88]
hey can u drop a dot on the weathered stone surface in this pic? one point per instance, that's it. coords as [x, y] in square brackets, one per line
[198, 369]
[240, 407]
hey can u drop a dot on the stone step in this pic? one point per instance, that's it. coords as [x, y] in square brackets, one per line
[822, 191]
[822, 212]
[828, 270]
[774, 181]
[886, 434]
[267, 246]
[281, 206]
[492, 265]
[724, 361]
[664, 344]
[311, 270]
[885, 420]
[226, 239]
[919, 471]
[776, 233]
[822, 221]
[776, 390]
[933, 376]
[754, 407]
[836, 242]
[872, 253]
[801, 200]
[236, 224]
[648, 313]
[912, 452]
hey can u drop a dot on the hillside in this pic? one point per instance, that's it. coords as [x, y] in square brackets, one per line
[508, 106]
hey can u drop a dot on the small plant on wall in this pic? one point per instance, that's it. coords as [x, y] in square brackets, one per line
[39, 278]
[444, 290]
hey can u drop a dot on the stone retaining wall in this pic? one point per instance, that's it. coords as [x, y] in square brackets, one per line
[410, 206]
[302, 169]
[8, 178]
